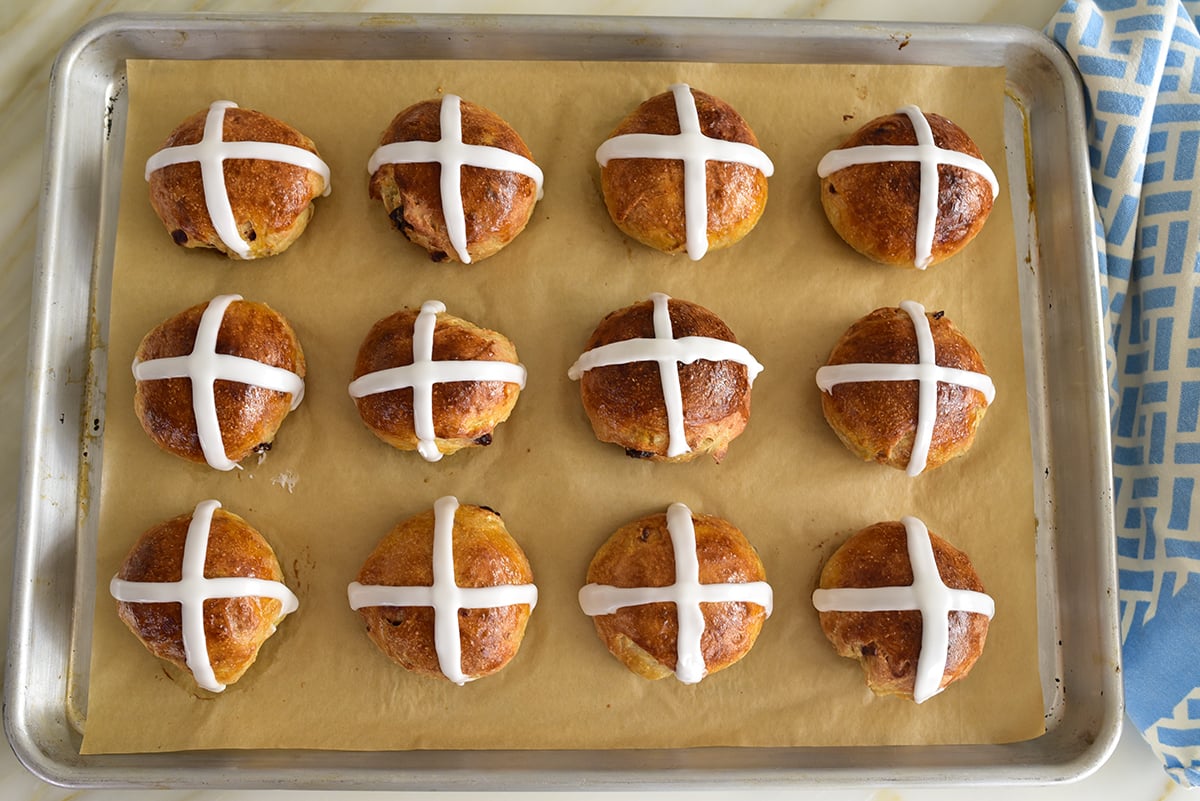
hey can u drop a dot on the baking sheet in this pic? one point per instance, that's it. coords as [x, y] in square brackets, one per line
[783, 290]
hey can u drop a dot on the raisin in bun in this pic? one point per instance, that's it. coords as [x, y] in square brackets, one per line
[255, 202]
[463, 220]
[447, 593]
[639, 582]
[701, 403]
[871, 395]
[873, 185]
[467, 378]
[214, 640]
[644, 173]
[215, 382]
[884, 629]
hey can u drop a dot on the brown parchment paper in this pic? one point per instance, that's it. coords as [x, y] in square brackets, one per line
[788, 290]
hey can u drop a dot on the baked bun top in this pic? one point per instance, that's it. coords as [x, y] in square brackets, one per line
[236, 180]
[905, 388]
[431, 382]
[455, 179]
[677, 593]
[906, 604]
[447, 593]
[908, 188]
[683, 173]
[163, 588]
[666, 380]
[215, 381]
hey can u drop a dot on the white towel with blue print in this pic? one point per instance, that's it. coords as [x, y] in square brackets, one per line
[1138, 59]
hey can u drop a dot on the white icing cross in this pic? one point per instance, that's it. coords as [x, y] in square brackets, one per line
[204, 366]
[929, 156]
[445, 596]
[926, 371]
[928, 594]
[424, 372]
[193, 589]
[452, 154]
[212, 151]
[694, 149]
[668, 352]
[687, 593]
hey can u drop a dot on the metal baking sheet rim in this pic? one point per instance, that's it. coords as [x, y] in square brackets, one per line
[53, 585]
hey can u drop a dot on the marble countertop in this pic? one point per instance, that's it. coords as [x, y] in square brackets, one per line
[31, 33]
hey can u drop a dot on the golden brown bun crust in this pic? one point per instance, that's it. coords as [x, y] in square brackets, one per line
[887, 644]
[249, 416]
[625, 401]
[645, 196]
[874, 206]
[640, 554]
[464, 412]
[271, 200]
[497, 203]
[877, 420]
[235, 628]
[485, 555]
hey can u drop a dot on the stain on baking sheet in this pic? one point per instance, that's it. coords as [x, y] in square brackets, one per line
[90, 435]
[1030, 185]
[111, 105]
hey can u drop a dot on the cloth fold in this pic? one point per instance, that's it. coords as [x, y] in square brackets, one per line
[1138, 59]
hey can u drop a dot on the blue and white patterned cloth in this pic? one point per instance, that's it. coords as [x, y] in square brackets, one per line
[1141, 78]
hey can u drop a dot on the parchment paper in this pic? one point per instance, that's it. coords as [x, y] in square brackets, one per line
[788, 290]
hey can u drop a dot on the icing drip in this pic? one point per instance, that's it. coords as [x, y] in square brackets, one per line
[929, 156]
[928, 594]
[687, 593]
[694, 149]
[667, 351]
[926, 371]
[212, 151]
[204, 366]
[423, 373]
[445, 596]
[451, 153]
[193, 589]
